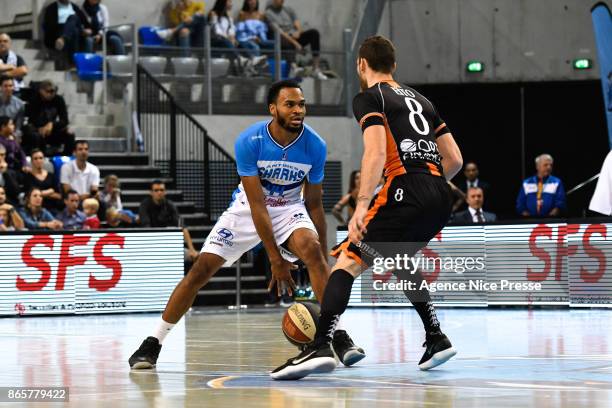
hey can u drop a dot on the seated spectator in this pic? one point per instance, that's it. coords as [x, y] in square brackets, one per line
[66, 29]
[17, 220]
[90, 208]
[10, 105]
[15, 157]
[349, 199]
[98, 18]
[48, 125]
[601, 202]
[10, 219]
[471, 174]
[474, 213]
[111, 193]
[9, 183]
[156, 211]
[40, 178]
[72, 217]
[292, 36]
[187, 18]
[79, 174]
[542, 195]
[252, 31]
[35, 216]
[11, 64]
[223, 31]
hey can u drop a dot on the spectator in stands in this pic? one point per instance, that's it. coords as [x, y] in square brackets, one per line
[79, 174]
[11, 64]
[90, 208]
[474, 214]
[16, 219]
[252, 31]
[10, 220]
[156, 211]
[349, 199]
[111, 193]
[35, 216]
[471, 174]
[11, 105]
[223, 31]
[40, 178]
[541, 195]
[66, 29]
[72, 217]
[187, 18]
[15, 157]
[120, 218]
[48, 117]
[292, 36]
[8, 179]
[98, 18]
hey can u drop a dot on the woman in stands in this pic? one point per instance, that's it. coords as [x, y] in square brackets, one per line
[9, 218]
[41, 179]
[97, 16]
[223, 32]
[350, 199]
[35, 216]
[252, 31]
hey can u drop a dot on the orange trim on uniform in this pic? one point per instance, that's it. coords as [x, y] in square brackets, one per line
[393, 163]
[440, 127]
[343, 247]
[370, 115]
[433, 169]
[381, 201]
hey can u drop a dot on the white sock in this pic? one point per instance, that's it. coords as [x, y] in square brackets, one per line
[339, 325]
[162, 330]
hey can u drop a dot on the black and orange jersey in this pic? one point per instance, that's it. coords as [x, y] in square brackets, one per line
[412, 125]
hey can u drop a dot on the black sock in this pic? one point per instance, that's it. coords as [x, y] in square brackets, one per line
[335, 300]
[421, 301]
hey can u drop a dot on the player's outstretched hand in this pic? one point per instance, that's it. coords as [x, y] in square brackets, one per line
[281, 275]
[356, 226]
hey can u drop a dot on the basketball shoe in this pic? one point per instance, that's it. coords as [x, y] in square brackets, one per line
[316, 357]
[146, 355]
[345, 349]
[439, 350]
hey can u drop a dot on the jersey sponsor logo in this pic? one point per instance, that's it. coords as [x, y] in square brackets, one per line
[422, 150]
[408, 145]
[224, 236]
[276, 201]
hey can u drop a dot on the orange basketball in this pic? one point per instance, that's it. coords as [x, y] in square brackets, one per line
[300, 323]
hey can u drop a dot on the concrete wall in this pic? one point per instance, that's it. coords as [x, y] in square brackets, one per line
[9, 8]
[518, 40]
[330, 17]
[342, 135]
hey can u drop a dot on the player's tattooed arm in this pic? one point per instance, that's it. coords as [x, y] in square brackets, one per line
[313, 200]
[263, 225]
[452, 161]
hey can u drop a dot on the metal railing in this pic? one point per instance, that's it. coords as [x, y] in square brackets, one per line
[182, 148]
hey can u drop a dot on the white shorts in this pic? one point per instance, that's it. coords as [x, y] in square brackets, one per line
[234, 233]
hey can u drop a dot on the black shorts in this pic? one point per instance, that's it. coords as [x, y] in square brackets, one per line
[410, 208]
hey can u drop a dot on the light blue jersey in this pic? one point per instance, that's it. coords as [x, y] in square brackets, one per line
[282, 170]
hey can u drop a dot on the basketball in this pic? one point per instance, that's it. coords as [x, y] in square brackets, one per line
[300, 323]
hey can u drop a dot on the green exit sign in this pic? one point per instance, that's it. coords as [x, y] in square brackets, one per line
[582, 63]
[474, 66]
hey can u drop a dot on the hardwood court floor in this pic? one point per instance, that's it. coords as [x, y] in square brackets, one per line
[507, 358]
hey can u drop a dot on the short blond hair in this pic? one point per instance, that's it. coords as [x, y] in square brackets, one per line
[91, 202]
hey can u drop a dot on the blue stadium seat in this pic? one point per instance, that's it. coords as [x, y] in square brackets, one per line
[89, 66]
[148, 36]
[284, 68]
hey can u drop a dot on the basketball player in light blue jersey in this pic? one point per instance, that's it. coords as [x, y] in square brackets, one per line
[278, 202]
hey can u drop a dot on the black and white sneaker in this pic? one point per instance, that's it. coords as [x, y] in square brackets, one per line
[345, 349]
[439, 350]
[315, 358]
[146, 355]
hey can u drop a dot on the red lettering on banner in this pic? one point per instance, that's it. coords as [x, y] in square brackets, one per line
[593, 252]
[103, 285]
[36, 263]
[539, 231]
[66, 260]
[562, 250]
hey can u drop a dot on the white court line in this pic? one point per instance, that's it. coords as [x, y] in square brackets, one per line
[543, 387]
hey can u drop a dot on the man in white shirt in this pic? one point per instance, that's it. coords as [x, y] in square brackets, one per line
[79, 174]
[474, 214]
[602, 197]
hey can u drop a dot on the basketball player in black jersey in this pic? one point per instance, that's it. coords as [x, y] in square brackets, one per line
[404, 135]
